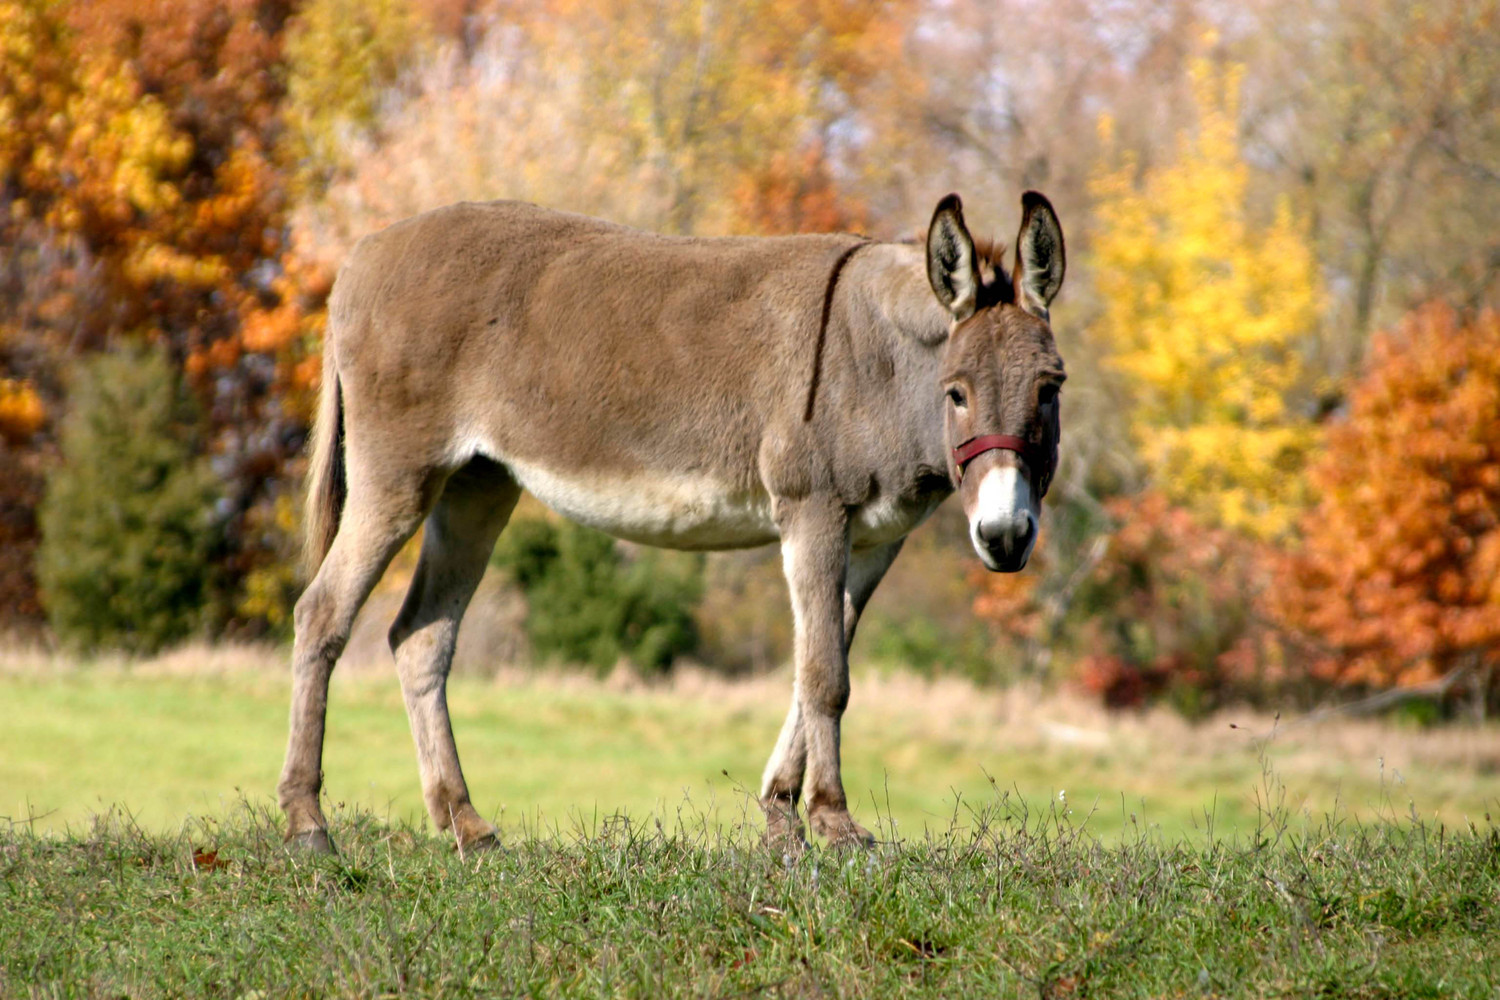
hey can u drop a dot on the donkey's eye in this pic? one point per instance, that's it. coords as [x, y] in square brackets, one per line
[1047, 394]
[957, 396]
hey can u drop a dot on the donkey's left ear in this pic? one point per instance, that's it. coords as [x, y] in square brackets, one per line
[1040, 257]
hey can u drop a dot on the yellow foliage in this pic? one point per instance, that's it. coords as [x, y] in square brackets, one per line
[1205, 313]
[128, 135]
[341, 54]
[149, 262]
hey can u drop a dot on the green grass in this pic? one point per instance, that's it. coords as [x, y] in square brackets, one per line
[554, 753]
[1014, 903]
[143, 857]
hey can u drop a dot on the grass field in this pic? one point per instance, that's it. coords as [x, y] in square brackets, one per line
[194, 733]
[1016, 904]
[143, 855]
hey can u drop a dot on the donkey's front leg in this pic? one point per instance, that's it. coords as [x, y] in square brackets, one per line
[781, 785]
[815, 555]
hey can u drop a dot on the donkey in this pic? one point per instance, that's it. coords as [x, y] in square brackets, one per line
[826, 391]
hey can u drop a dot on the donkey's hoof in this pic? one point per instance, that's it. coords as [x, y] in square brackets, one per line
[856, 839]
[784, 833]
[315, 841]
[485, 844]
[841, 832]
[789, 841]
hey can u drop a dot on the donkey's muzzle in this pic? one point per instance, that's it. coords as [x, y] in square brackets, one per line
[1003, 519]
[1004, 543]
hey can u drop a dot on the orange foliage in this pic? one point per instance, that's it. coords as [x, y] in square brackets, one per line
[144, 201]
[1398, 581]
[21, 411]
[144, 162]
[795, 194]
[217, 241]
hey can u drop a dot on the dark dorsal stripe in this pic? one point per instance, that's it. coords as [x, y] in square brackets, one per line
[817, 367]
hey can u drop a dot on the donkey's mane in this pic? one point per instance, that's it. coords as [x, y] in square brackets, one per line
[995, 284]
[991, 252]
[994, 279]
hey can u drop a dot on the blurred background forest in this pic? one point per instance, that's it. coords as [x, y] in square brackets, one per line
[1280, 475]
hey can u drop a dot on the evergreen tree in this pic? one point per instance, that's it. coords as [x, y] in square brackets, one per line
[128, 521]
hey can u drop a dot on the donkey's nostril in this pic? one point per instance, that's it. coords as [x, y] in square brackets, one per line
[1023, 537]
[996, 532]
[1009, 534]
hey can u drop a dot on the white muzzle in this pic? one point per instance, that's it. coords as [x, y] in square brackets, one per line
[1004, 526]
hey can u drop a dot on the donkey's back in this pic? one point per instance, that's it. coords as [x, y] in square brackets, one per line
[568, 292]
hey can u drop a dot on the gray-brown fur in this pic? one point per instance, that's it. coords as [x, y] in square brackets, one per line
[657, 388]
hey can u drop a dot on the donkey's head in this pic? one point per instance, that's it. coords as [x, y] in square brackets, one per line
[1001, 374]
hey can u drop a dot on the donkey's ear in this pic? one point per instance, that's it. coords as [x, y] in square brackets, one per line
[1040, 257]
[951, 268]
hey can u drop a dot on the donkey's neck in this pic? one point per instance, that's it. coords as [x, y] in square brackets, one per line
[890, 311]
[895, 275]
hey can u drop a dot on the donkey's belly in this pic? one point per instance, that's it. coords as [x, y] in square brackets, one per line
[671, 510]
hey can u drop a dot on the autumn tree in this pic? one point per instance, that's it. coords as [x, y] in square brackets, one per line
[1385, 117]
[1204, 313]
[143, 203]
[689, 117]
[80, 148]
[709, 92]
[1397, 580]
[341, 56]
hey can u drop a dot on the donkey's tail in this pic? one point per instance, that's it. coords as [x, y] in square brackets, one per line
[326, 486]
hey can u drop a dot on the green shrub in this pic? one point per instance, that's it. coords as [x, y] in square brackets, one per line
[588, 603]
[928, 647]
[128, 523]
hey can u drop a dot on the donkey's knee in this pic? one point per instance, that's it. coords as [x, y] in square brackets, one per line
[826, 693]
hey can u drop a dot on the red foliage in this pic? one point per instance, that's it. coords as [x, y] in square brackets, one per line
[1398, 579]
[1174, 600]
[1166, 609]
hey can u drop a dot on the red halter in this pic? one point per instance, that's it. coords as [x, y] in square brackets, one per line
[1042, 465]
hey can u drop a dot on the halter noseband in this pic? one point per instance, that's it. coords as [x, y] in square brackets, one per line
[1043, 465]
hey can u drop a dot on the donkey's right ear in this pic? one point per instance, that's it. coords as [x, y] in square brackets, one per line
[951, 267]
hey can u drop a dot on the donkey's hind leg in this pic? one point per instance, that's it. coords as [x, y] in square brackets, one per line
[380, 514]
[456, 545]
